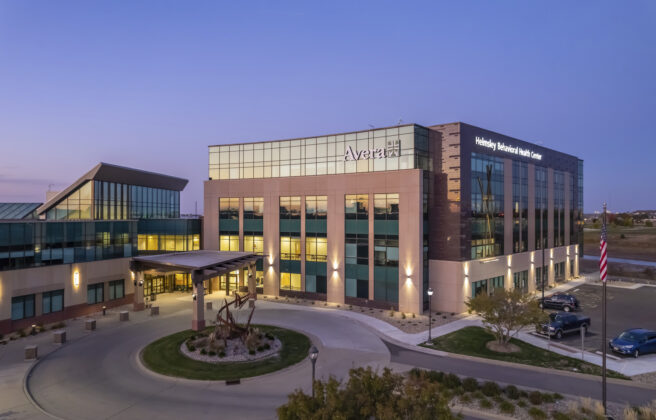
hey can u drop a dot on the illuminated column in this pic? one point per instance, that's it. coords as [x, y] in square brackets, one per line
[138, 281]
[198, 298]
[252, 280]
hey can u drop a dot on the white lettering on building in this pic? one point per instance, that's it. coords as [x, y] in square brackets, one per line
[503, 147]
[393, 149]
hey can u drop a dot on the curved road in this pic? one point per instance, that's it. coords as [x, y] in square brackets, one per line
[99, 376]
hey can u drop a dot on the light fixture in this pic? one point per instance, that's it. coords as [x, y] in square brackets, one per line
[314, 354]
[193, 296]
[430, 291]
[76, 278]
[140, 283]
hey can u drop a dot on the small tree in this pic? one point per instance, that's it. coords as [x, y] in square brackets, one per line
[506, 312]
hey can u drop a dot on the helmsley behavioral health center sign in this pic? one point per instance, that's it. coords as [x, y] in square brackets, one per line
[503, 147]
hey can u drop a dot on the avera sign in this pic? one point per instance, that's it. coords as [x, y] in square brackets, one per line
[393, 149]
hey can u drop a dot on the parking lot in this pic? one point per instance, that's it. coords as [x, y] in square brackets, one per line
[626, 309]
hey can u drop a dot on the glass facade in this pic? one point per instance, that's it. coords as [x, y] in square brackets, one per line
[116, 289]
[386, 247]
[356, 248]
[95, 293]
[559, 208]
[388, 149]
[168, 235]
[77, 205]
[520, 206]
[228, 224]
[487, 203]
[290, 243]
[254, 233]
[102, 200]
[316, 243]
[487, 286]
[579, 207]
[541, 222]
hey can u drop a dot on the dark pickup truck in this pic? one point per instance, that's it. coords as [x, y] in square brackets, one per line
[562, 323]
[561, 301]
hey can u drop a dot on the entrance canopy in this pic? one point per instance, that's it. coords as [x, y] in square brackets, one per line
[201, 264]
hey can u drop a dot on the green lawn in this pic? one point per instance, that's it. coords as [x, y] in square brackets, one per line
[164, 356]
[471, 341]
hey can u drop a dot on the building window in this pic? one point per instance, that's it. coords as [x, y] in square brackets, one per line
[290, 281]
[487, 286]
[356, 253]
[541, 222]
[229, 224]
[116, 289]
[290, 243]
[520, 206]
[559, 208]
[386, 247]
[559, 271]
[520, 281]
[22, 307]
[290, 248]
[316, 243]
[52, 301]
[229, 242]
[541, 277]
[95, 293]
[487, 204]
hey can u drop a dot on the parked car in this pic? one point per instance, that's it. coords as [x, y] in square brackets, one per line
[562, 323]
[634, 342]
[561, 301]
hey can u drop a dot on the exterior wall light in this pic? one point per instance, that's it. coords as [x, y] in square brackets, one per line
[193, 296]
[140, 283]
[76, 278]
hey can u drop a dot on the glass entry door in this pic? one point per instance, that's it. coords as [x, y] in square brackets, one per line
[229, 282]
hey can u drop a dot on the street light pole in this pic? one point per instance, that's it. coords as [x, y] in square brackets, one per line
[314, 353]
[430, 295]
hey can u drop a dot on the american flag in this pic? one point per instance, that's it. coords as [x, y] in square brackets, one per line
[603, 259]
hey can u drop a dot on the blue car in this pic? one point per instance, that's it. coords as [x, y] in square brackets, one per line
[634, 342]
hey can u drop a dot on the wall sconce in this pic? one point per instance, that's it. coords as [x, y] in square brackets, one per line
[193, 296]
[140, 283]
[250, 274]
[76, 278]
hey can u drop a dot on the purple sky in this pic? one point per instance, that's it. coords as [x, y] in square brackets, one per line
[150, 84]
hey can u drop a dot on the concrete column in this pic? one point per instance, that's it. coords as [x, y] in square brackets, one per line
[198, 320]
[138, 300]
[271, 244]
[252, 280]
[370, 240]
[241, 223]
[335, 279]
[411, 247]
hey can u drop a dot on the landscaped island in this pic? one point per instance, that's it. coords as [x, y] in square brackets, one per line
[269, 349]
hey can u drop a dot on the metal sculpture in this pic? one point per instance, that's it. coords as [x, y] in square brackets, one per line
[226, 326]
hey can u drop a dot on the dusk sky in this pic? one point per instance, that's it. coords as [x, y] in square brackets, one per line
[150, 84]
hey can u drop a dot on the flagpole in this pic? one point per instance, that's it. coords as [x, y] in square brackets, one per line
[603, 330]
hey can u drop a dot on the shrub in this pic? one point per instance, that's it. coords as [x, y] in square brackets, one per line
[548, 398]
[350, 306]
[557, 415]
[485, 403]
[556, 396]
[392, 314]
[478, 395]
[260, 348]
[507, 407]
[536, 413]
[266, 346]
[512, 392]
[192, 348]
[2, 336]
[523, 394]
[269, 336]
[535, 397]
[21, 333]
[490, 389]
[470, 384]
[221, 353]
[465, 399]
[443, 316]
[402, 315]
[212, 353]
[498, 399]
[203, 351]
[451, 381]
[434, 376]
[413, 315]
[251, 352]
[521, 403]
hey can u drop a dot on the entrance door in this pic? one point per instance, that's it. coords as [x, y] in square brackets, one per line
[229, 282]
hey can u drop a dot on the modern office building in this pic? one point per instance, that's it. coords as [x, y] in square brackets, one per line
[70, 256]
[377, 217]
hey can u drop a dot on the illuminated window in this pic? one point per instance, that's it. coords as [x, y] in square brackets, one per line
[290, 281]
[316, 249]
[254, 244]
[290, 248]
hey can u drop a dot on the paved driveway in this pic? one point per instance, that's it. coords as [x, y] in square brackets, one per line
[99, 376]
